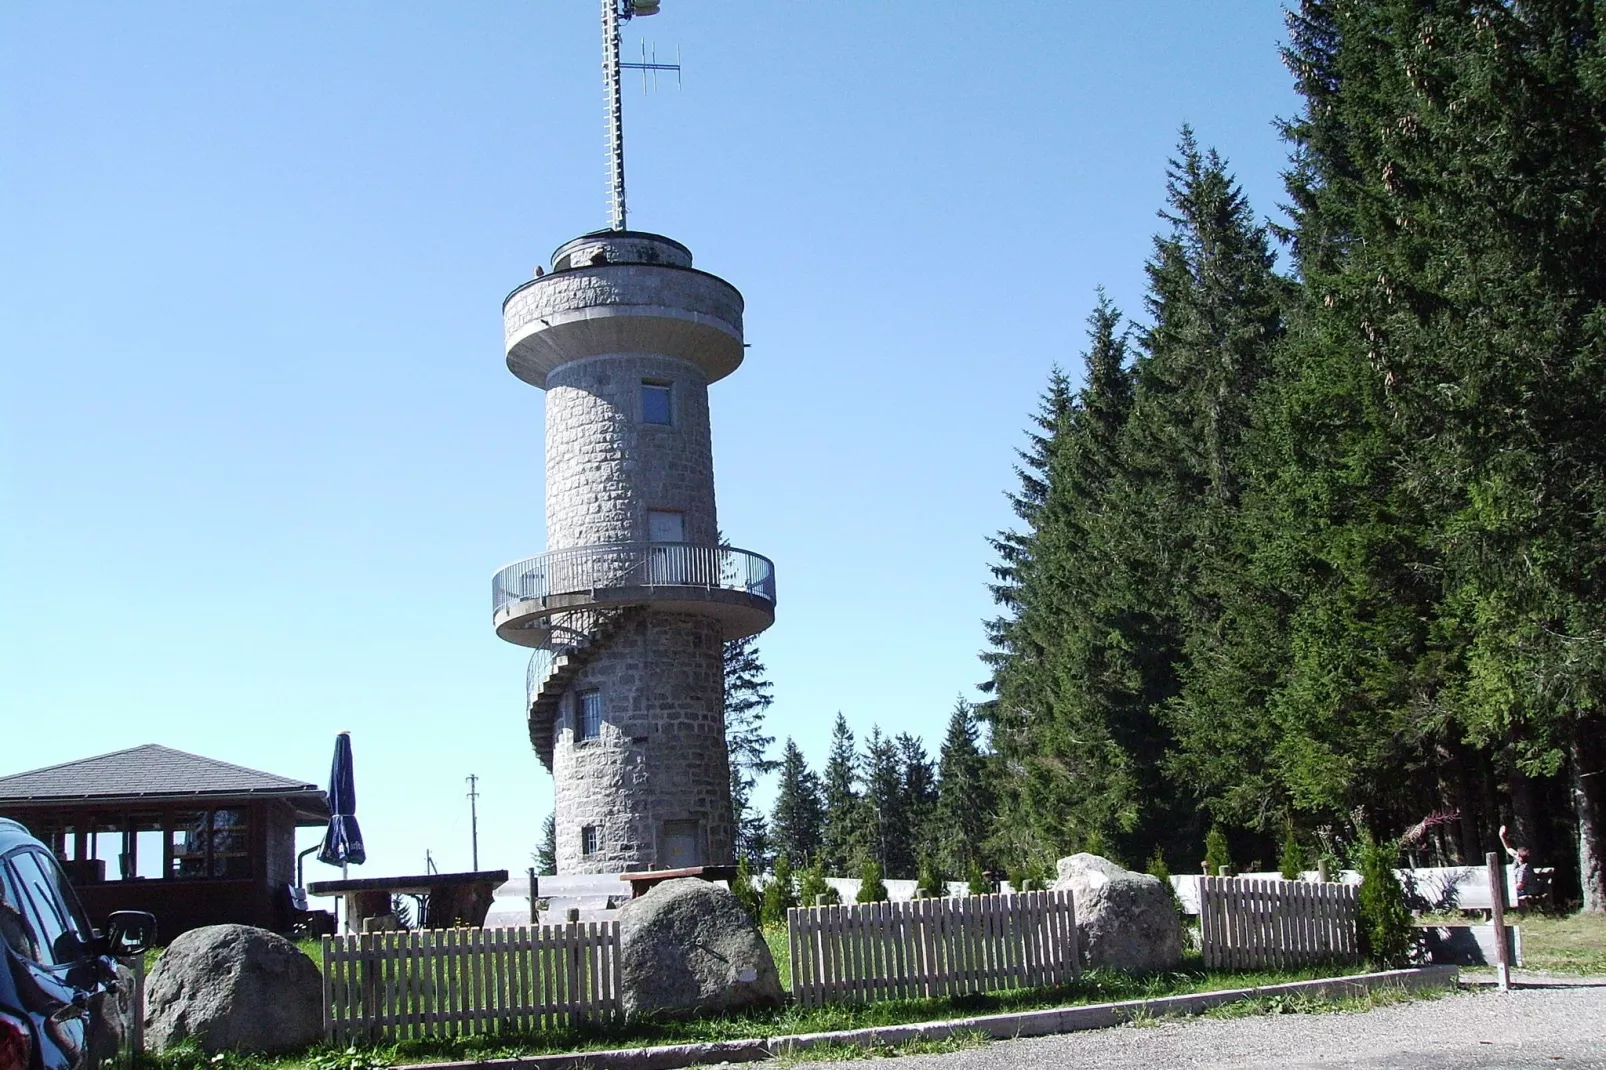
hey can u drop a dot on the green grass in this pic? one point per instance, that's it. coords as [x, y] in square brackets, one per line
[1569, 944]
[1551, 943]
[962, 1040]
[1300, 1003]
[781, 952]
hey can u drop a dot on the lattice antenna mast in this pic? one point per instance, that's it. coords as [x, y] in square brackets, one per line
[615, 13]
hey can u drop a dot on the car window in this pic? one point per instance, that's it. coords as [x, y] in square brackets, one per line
[16, 930]
[50, 905]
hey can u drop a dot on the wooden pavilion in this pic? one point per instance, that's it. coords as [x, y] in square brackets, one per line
[193, 840]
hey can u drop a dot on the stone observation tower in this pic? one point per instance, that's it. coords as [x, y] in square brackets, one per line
[629, 608]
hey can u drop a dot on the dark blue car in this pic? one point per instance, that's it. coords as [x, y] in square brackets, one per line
[59, 983]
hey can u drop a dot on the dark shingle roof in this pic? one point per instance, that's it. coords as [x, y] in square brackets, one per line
[144, 772]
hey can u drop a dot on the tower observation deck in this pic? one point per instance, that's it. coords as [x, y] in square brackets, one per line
[628, 610]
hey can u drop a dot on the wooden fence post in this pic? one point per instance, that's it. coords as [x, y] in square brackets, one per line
[1497, 899]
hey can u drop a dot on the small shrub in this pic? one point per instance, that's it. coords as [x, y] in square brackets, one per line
[811, 886]
[931, 885]
[1383, 920]
[1158, 868]
[976, 881]
[780, 893]
[1216, 853]
[742, 888]
[1292, 862]
[872, 889]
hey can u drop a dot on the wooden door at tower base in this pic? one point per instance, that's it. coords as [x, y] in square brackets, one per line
[680, 846]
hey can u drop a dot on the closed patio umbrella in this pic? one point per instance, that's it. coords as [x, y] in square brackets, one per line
[342, 844]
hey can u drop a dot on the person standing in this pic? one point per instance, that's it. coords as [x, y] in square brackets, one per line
[1523, 874]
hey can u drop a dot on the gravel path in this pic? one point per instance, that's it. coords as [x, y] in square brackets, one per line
[1546, 1022]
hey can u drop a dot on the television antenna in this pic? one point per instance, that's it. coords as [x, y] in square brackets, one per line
[616, 13]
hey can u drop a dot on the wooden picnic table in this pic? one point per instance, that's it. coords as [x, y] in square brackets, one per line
[643, 881]
[449, 898]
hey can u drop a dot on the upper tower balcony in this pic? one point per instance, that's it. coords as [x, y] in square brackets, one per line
[622, 291]
[737, 587]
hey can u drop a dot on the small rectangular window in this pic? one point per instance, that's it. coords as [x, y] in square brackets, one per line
[588, 840]
[655, 407]
[589, 710]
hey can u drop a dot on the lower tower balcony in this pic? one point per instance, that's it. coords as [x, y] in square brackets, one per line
[736, 587]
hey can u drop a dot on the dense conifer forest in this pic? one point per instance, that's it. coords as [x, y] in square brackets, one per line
[1308, 554]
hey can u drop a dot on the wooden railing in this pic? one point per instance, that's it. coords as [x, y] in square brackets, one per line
[931, 947]
[382, 987]
[1244, 924]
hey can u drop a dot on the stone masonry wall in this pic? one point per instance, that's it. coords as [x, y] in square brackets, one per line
[605, 468]
[660, 755]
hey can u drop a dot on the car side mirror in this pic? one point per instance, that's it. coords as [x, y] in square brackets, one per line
[129, 932]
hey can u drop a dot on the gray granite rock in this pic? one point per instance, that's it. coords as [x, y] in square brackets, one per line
[233, 988]
[1125, 920]
[688, 947]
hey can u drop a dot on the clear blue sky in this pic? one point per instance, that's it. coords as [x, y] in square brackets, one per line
[260, 451]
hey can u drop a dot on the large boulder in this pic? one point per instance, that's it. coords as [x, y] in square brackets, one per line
[233, 988]
[687, 947]
[1124, 920]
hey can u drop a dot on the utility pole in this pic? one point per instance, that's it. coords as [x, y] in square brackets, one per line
[474, 819]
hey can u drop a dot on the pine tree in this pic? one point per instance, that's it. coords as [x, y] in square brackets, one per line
[748, 696]
[1058, 780]
[841, 824]
[884, 834]
[546, 855]
[796, 821]
[965, 799]
[918, 793]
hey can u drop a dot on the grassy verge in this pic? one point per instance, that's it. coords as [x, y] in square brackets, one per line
[960, 1041]
[1575, 944]
[1299, 1003]
[1568, 943]
[1094, 987]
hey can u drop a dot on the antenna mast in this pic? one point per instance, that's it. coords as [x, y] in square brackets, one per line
[614, 14]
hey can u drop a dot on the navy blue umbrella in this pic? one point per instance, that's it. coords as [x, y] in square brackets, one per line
[342, 844]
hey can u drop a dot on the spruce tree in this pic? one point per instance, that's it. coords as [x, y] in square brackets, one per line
[918, 790]
[546, 855]
[1060, 771]
[884, 833]
[748, 696]
[965, 801]
[839, 830]
[795, 823]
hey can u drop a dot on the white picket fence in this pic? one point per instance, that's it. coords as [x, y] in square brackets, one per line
[1245, 924]
[450, 982]
[925, 948]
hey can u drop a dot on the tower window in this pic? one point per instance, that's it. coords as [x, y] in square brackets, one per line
[588, 840]
[655, 407]
[590, 714]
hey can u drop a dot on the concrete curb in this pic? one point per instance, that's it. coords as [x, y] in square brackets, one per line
[997, 1026]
